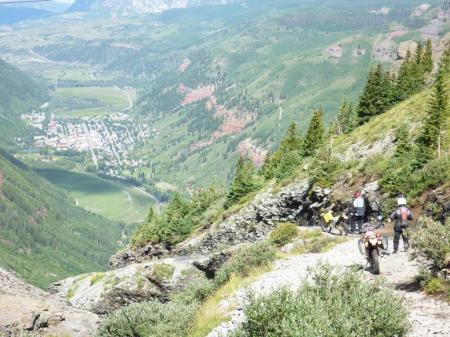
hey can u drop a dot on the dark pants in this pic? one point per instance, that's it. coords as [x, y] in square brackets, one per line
[359, 220]
[401, 233]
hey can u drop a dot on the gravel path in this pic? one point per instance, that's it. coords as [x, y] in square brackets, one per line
[429, 317]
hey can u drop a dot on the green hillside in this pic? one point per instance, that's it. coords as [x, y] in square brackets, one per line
[113, 200]
[217, 81]
[18, 94]
[44, 236]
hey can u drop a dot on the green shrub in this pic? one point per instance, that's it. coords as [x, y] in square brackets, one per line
[248, 257]
[283, 234]
[431, 243]
[434, 286]
[328, 306]
[149, 319]
[162, 271]
[196, 291]
[402, 176]
[96, 277]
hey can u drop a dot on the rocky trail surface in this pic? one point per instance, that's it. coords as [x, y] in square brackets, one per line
[27, 308]
[428, 316]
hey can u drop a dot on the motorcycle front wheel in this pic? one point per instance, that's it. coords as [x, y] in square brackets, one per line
[361, 247]
[375, 261]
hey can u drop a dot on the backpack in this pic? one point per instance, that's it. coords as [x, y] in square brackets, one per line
[404, 215]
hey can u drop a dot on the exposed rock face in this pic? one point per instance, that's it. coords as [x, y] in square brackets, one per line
[255, 221]
[104, 292]
[26, 308]
[138, 255]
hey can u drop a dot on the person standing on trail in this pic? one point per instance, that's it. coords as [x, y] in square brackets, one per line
[358, 212]
[402, 215]
[367, 206]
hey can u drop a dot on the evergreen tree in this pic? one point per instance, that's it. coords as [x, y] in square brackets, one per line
[346, 120]
[377, 95]
[427, 58]
[412, 73]
[437, 114]
[419, 53]
[286, 159]
[403, 141]
[151, 215]
[315, 134]
[244, 182]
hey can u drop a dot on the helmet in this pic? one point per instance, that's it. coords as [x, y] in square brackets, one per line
[401, 201]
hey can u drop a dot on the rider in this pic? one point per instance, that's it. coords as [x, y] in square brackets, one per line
[359, 211]
[401, 216]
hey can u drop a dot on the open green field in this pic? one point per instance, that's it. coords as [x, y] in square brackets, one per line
[111, 199]
[91, 101]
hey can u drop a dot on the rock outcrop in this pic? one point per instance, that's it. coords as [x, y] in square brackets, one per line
[26, 308]
[255, 221]
[105, 292]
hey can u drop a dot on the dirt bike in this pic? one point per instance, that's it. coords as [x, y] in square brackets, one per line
[328, 222]
[371, 244]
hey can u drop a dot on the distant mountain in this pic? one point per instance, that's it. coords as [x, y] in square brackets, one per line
[44, 236]
[131, 7]
[19, 93]
[10, 15]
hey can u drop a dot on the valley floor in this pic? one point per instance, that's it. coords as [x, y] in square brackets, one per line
[428, 316]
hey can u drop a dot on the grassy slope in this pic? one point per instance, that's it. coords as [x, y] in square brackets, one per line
[44, 236]
[112, 200]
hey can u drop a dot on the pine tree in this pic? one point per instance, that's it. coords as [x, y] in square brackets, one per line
[346, 120]
[292, 141]
[419, 53]
[403, 141]
[436, 116]
[286, 159]
[377, 95]
[244, 182]
[151, 215]
[315, 134]
[427, 58]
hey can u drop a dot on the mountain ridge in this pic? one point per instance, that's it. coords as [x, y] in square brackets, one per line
[137, 7]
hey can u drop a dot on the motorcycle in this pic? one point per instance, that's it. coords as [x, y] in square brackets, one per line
[328, 222]
[371, 244]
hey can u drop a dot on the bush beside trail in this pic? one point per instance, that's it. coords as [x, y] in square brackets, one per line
[331, 305]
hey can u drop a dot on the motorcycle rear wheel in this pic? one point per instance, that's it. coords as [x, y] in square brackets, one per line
[342, 228]
[325, 227]
[375, 261]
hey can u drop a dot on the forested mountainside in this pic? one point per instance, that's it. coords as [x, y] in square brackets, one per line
[19, 94]
[133, 7]
[44, 236]
[215, 82]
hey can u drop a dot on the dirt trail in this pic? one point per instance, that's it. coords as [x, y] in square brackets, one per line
[429, 317]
